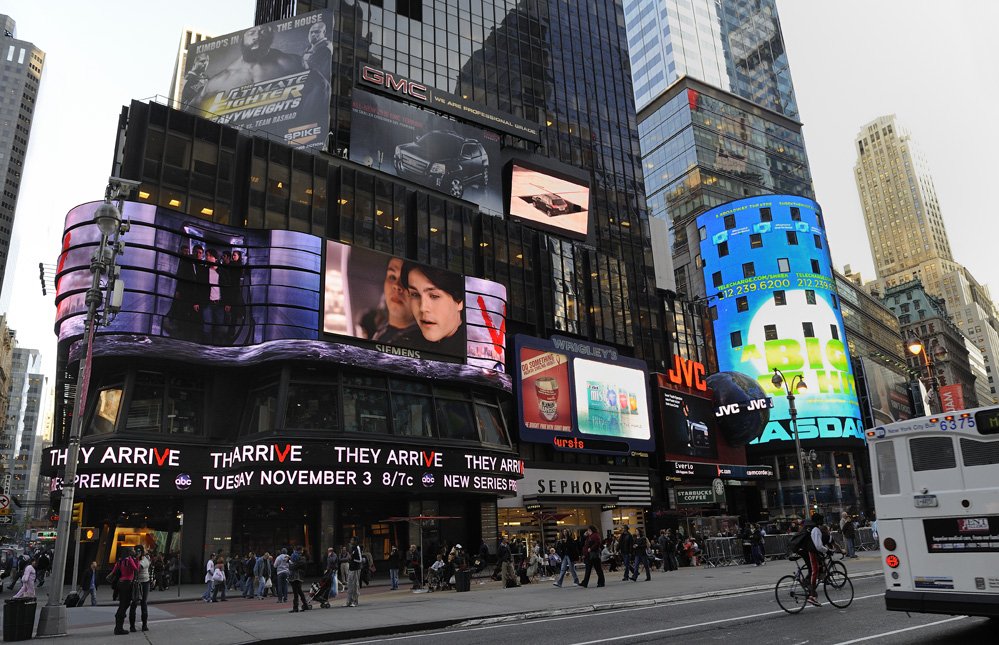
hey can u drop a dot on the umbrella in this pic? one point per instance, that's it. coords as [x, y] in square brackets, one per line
[420, 520]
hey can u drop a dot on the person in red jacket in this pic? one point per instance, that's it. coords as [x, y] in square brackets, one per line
[126, 569]
[591, 555]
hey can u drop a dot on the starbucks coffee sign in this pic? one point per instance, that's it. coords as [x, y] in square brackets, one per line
[699, 495]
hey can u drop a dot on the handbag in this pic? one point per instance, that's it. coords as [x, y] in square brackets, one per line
[412, 575]
[268, 584]
[113, 577]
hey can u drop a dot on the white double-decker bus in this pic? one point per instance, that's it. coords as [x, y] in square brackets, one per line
[936, 482]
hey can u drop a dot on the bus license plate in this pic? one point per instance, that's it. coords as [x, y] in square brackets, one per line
[925, 501]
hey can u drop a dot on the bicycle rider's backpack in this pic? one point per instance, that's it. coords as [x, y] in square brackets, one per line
[801, 542]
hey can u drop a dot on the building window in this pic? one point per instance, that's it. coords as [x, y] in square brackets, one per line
[815, 266]
[736, 338]
[810, 296]
[365, 405]
[748, 270]
[783, 265]
[312, 401]
[780, 298]
[730, 221]
[795, 214]
[755, 240]
[770, 332]
[818, 241]
[742, 303]
[765, 215]
[834, 330]
[806, 329]
[702, 233]
[716, 278]
[792, 238]
[835, 300]
[723, 249]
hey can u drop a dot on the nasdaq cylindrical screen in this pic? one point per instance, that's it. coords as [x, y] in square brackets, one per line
[768, 275]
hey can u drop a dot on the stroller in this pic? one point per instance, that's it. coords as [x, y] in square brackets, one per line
[321, 590]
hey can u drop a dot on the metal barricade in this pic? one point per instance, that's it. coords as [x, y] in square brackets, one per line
[776, 546]
[866, 540]
[722, 551]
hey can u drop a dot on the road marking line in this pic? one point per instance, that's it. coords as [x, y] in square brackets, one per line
[899, 631]
[674, 629]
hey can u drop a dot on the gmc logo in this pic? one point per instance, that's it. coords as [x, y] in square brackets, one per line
[403, 86]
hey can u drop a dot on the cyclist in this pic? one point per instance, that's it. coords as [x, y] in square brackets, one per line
[816, 551]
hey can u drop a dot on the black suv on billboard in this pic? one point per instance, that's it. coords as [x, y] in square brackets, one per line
[444, 160]
[550, 204]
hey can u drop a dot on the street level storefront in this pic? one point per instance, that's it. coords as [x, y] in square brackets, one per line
[261, 496]
[712, 498]
[549, 500]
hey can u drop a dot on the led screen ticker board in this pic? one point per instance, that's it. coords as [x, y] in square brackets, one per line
[215, 293]
[581, 397]
[153, 467]
[768, 274]
[273, 77]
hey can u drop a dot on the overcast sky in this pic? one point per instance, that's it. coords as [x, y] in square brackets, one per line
[931, 63]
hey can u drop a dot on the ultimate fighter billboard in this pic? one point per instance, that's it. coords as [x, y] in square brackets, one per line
[273, 77]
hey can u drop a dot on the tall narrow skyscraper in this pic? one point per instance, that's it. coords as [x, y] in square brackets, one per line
[718, 120]
[908, 236]
[22, 72]
[904, 224]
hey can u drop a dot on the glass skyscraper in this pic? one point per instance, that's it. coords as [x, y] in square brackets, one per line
[22, 65]
[717, 116]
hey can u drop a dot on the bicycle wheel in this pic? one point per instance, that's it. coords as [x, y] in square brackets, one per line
[840, 568]
[790, 594]
[838, 589]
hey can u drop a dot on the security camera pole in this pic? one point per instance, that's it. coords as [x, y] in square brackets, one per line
[52, 621]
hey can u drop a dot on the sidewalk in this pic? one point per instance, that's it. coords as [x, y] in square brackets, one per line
[382, 611]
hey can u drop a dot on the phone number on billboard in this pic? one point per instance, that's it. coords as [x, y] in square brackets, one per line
[816, 282]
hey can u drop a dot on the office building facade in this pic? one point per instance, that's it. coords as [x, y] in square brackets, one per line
[908, 234]
[22, 433]
[22, 65]
[544, 221]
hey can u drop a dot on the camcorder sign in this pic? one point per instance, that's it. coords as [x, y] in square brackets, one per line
[273, 77]
[274, 467]
[777, 307]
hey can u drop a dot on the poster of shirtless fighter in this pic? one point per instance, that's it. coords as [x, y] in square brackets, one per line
[272, 77]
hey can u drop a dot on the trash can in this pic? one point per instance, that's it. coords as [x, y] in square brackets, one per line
[463, 580]
[18, 618]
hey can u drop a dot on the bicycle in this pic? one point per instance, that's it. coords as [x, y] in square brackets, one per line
[792, 591]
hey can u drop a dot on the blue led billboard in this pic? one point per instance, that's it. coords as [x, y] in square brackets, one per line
[768, 275]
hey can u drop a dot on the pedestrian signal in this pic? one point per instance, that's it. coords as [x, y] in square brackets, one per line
[89, 534]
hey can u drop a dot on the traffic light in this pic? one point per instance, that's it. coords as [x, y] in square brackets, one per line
[89, 534]
[78, 513]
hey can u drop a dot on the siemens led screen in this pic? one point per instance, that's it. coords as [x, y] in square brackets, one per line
[445, 155]
[217, 293]
[768, 273]
[411, 309]
[582, 397]
[273, 77]
[556, 203]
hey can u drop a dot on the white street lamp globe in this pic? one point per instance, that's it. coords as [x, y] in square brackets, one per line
[108, 218]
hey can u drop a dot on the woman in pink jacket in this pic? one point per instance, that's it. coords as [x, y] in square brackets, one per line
[27, 581]
[126, 569]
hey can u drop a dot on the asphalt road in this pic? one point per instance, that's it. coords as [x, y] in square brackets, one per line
[743, 619]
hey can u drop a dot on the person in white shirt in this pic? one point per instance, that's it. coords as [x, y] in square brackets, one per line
[813, 554]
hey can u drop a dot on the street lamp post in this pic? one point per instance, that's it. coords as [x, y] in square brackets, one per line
[52, 621]
[916, 346]
[797, 384]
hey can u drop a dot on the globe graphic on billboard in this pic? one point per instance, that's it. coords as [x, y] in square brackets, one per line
[735, 387]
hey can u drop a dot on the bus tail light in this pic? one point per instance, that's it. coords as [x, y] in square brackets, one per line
[892, 561]
[889, 544]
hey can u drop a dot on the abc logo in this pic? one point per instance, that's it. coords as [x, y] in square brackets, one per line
[183, 481]
[428, 480]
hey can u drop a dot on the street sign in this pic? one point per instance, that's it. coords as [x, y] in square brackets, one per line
[4, 502]
[6, 519]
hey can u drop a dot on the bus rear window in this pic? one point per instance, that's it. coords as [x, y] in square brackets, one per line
[932, 453]
[979, 453]
[887, 468]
